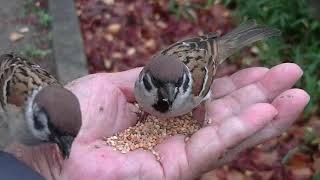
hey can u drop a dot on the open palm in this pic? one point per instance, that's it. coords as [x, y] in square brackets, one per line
[248, 108]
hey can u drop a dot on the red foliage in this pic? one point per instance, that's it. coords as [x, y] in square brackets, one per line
[125, 34]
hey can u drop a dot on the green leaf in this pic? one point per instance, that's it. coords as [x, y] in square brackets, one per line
[289, 154]
[316, 176]
[309, 135]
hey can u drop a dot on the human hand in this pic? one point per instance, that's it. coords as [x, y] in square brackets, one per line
[248, 108]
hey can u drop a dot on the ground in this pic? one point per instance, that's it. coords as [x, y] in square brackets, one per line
[21, 33]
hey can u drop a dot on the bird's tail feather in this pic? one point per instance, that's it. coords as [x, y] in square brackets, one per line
[242, 36]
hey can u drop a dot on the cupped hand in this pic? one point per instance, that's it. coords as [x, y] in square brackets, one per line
[247, 108]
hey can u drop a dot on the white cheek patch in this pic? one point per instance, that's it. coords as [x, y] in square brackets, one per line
[184, 101]
[183, 94]
[43, 133]
[152, 94]
[30, 109]
[146, 98]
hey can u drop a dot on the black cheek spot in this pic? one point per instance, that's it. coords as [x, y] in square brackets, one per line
[186, 84]
[179, 83]
[37, 123]
[161, 106]
[146, 83]
[156, 82]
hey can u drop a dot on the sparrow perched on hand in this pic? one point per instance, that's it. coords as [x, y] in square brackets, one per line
[36, 109]
[178, 78]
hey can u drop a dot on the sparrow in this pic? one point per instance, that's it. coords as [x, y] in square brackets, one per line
[178, 78]
[36, 109]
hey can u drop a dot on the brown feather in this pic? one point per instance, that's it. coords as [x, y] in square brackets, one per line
[194, 53]
[203, 54]
[18, 77]
[166, 68]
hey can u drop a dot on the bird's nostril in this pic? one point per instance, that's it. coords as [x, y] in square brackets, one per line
[167, 101]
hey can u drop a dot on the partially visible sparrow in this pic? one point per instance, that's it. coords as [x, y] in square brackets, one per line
[179, 77]
[36, 109]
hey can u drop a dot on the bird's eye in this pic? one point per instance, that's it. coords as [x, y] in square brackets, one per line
[146, 83]
[38, 119]
[37, 123]
[156, 82]
[186, 84]
[179, 83]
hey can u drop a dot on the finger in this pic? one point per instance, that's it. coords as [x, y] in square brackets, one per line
[228, 84]
[275, 81]
[199, 113]
[104, 108]
[289, 104]
[123, 80]
[209, 143]
[225, 85]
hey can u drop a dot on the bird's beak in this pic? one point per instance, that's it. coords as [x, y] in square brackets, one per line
[169, 93]
[64, 143]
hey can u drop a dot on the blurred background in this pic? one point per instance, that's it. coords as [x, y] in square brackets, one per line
[122, 34]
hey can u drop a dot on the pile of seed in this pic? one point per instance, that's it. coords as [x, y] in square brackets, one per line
[151, 132]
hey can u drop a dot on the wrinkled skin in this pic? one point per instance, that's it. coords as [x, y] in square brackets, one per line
[248, 108]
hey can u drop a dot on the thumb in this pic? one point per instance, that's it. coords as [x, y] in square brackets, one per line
[104, 107]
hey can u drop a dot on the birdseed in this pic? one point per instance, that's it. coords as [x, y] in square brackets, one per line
[151, 132]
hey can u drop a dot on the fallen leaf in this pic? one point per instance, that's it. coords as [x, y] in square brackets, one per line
[301, 173]
[107, 64]
[266, 158]
[24, 30]
[236, 175]
[131, 51]
[265, 175]
[151, 44]
[14, 36]
[316, 164]
[108, 2]
[113, 28]
[117, 55]
[108, 37]
[209, 176]
[316, 141]
[299, 160]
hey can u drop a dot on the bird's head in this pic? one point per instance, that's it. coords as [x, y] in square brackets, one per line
[163, 86]
[53, 114]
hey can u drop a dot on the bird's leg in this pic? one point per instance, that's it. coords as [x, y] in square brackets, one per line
[207, 119]
[200, 113]
[141, 114]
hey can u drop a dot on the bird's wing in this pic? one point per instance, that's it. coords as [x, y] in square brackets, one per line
[199, 55]
[18, 77]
